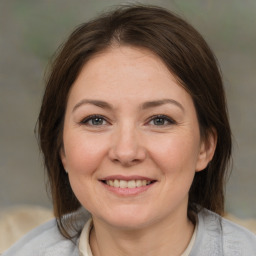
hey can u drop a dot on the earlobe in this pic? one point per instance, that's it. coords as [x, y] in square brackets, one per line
[207, 150]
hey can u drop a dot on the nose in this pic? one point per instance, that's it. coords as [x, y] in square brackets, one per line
[127, 147]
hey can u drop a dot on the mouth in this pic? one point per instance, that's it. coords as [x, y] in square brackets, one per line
[134, 183]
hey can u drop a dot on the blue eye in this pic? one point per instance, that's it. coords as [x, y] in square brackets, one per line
[95, 120]
[161, 120]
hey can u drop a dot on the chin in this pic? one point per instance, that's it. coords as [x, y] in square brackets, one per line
[129, 224]
[128, 220]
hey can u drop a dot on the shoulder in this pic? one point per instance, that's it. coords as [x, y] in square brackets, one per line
[216, 234]
[46, 240]
[237, 240]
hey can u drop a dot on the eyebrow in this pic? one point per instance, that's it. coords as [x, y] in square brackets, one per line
[151, 104]
[98, 103]
[145, 105]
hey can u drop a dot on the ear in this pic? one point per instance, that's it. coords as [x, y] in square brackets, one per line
[207, 149]
[63, 157]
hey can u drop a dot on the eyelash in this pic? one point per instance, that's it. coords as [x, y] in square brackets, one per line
[86, 120]
[165, 118]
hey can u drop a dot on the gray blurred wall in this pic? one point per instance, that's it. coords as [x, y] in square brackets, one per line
[31, 30]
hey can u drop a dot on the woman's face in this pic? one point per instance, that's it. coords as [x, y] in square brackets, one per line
[131, 140]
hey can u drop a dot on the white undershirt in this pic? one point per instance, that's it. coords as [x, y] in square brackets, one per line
[85, 249]
[84, 242]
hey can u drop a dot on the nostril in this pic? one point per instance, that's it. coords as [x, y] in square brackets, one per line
[126, 148]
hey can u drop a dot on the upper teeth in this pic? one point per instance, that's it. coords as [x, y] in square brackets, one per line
[127, 184]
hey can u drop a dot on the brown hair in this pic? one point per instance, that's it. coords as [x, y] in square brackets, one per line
[188, 57]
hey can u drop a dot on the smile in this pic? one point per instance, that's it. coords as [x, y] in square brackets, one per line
[128, 184]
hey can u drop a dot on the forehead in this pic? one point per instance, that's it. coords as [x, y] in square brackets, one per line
[126, 59]
[126, 72]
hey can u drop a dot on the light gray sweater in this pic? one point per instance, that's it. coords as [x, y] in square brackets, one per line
[215, 237]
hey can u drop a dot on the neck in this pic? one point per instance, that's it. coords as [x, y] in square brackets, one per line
[160, 238]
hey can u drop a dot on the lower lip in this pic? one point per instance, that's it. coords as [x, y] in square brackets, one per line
[128, 191]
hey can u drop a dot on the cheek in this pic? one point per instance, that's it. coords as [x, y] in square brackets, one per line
[83, 154]
[177, 154]
[177, 160]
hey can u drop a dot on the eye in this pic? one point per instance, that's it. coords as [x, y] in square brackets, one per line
[94, 120]
[161, 120]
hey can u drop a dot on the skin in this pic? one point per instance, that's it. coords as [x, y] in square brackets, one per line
[129, 140]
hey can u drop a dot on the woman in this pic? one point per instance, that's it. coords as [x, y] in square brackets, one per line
[134, 129]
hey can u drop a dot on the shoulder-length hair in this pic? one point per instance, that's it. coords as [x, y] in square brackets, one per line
[187, 56]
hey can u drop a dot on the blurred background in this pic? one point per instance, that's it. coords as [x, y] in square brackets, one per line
[31, 31]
